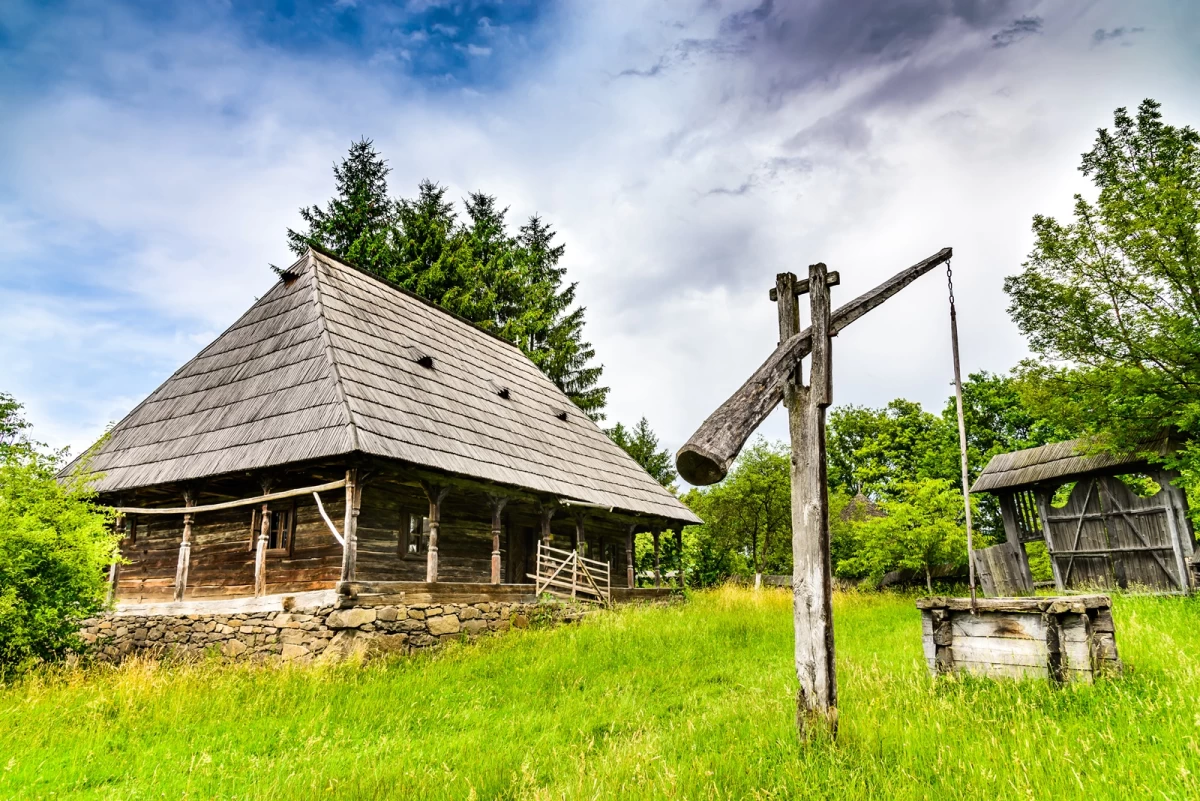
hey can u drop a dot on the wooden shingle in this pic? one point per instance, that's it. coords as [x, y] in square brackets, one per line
[328, 363]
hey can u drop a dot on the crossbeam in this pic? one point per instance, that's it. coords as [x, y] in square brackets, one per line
[216, 507]
[707, 456]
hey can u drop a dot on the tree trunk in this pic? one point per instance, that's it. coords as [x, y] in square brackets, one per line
[928, 580]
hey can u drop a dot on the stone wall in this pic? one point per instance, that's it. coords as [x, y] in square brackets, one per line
[302, 635]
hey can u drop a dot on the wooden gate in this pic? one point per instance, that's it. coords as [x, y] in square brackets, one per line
[569, 575]
[1106, 536]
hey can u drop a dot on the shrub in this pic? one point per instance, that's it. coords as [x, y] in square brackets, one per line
[54, 547]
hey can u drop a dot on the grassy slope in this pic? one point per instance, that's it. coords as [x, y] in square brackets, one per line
[687, 702]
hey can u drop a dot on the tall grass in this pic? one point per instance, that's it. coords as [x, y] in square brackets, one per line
[692, 701]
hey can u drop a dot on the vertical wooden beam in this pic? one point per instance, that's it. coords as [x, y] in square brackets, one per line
[580, 536]
[260, 551]
[185, 549]
[350, 526]
[679, 537]
[1184, 576]
[630, 573]
[497, 503]
[1043, 506]
[114, 569]
[546, 514]
[657, 562]
[812, 608]
[436, 494]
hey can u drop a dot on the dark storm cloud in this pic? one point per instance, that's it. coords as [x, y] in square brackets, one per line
[1101, 36]
[796, 45]
[1017, 30]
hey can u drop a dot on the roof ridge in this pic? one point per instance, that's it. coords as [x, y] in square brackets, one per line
[341, 260]
[323, 328]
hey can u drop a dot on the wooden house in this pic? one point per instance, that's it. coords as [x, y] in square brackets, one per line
[346, 432]
[1104, 535]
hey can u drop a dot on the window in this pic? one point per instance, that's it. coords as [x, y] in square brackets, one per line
[279, 537]
[280, 531]
[414, 536]
[128, 530]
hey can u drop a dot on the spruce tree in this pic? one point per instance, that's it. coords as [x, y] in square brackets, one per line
[553, 331]
[642, 444]
[472, 266]
[358, 224]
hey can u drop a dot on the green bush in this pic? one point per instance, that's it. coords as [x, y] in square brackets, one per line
[54, 547]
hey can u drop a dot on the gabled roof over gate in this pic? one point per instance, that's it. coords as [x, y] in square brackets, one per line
[1058, 462]
[332, 361]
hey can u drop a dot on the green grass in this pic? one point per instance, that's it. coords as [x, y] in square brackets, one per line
[693, 701]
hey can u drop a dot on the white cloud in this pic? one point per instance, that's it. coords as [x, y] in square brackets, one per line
[193, 166]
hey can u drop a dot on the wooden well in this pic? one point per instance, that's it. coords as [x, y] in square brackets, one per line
[1060, 638]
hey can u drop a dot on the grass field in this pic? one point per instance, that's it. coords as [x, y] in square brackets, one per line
[693, 701]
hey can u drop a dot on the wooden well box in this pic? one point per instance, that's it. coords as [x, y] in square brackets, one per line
[1060, 638]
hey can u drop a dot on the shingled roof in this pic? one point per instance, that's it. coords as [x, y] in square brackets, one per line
[332, 361]
[1057, 462]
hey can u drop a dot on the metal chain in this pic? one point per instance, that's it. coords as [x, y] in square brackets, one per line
[950, 284]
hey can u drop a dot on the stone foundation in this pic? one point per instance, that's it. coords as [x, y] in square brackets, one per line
[302, 635]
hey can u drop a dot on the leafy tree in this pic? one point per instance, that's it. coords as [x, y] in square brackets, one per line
[1111, 299]
[920, 529]
[872, 450]
[471, 266]
[54, 546]
[748, 515]
[642, 445]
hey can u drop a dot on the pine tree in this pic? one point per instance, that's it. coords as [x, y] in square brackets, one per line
[358, 224]
[471, 266]
[642, 444]
[553, 330]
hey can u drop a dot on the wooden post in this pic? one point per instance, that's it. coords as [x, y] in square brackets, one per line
[260, 552]
[657, 563]
[350, 526]
[1043, 503]
[497, 503]
[436, 495]
[547, 512]
[114, 569]
[580, 536]
[185, 549]
[630, 572]
[812, 607]
[679, 536]
[1184, 577]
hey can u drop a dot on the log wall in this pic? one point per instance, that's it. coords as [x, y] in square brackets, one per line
[222, 555]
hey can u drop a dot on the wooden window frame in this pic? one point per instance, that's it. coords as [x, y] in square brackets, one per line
[290, 530]
[405, 539]
[128, 532]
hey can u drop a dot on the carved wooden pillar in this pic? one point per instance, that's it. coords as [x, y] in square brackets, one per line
[436, 495]
[497, 503]
[657, 562]
[630, 573]
[260, 550]
[185, 549]
[547, 512]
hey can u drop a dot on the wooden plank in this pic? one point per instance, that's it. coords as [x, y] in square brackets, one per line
[1000, 626]
[999, 652]
[214, 507]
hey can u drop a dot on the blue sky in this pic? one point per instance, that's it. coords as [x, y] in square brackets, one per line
[153, 155]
